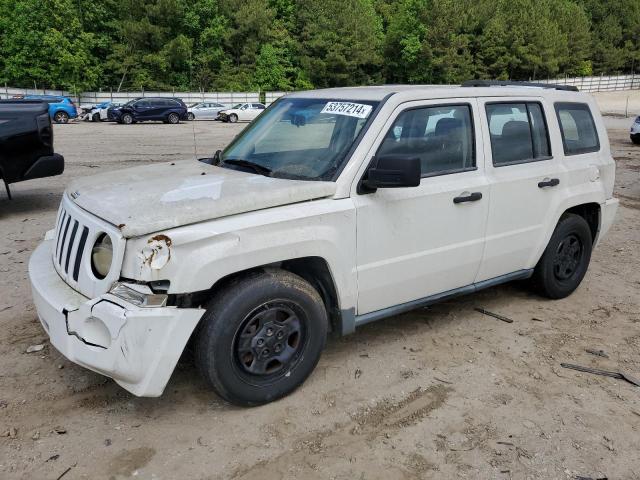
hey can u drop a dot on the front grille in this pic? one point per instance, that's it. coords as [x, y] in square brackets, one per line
[75, 234]
[67, 249]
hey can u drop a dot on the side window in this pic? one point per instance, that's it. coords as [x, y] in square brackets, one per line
[579, 134]
[518, 133]
[441, 136]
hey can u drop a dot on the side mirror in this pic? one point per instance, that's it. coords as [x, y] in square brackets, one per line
[390, 171]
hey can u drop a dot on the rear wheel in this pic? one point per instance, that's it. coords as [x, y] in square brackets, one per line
[61, 117]
[233, 118]
[173, 118]
[565, 261]
[261, 337]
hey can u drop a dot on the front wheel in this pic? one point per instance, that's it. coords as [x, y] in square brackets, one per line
[261, 337]
[565, 261]
[95, 117]
[233, 118]
[191, 116]
[61, 117]
[127, 119]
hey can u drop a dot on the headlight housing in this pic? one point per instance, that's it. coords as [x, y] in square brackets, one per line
[102, 256]
[139, 295]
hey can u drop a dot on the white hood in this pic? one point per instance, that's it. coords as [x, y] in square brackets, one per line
[160, 196]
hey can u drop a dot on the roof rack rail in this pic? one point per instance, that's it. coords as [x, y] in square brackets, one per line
[508, 83]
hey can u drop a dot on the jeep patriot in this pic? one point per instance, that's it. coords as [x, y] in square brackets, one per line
[333, 209]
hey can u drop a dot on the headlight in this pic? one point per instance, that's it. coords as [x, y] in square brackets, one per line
[101, 256]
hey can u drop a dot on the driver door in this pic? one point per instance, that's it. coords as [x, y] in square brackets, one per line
[416, 242]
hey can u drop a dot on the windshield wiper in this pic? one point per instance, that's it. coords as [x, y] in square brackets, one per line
[256, 167]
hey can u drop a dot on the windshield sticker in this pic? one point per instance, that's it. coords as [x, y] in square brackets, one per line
[358, 110]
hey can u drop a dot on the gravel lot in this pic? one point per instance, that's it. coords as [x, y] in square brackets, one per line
[442, 392]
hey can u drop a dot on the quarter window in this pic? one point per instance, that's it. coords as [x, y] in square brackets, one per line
[578, 129]
[441, 136]
[518, 133]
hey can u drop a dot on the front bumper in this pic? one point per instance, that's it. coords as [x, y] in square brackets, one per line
[137, 347]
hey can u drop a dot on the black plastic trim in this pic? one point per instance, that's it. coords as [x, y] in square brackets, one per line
[438, 297]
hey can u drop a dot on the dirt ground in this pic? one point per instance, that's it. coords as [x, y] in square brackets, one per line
[442, 392]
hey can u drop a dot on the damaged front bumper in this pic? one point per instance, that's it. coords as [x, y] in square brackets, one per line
[136, 346]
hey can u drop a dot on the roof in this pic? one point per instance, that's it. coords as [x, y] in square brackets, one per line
[378, 93]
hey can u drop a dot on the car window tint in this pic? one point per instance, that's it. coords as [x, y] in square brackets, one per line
[518, 133]
[441, 136]
[578, 129]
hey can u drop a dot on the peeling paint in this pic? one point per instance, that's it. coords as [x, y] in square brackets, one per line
[157, 253]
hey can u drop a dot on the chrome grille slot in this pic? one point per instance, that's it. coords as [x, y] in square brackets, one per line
[76, 233]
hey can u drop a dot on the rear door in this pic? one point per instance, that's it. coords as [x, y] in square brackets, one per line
[527, 178]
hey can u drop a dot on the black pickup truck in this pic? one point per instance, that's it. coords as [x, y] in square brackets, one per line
[26, 142]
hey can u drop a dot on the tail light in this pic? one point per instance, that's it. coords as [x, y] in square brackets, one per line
[45, 132]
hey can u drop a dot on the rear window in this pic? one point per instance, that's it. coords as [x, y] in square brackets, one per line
[579, 134]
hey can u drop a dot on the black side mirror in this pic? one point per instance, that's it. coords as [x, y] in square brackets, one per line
[390, 171]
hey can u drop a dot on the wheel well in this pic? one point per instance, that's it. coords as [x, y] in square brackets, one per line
[591, 213]
[314, 270]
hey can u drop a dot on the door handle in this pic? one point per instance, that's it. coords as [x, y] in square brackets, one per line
[548, 182]
[471, 197]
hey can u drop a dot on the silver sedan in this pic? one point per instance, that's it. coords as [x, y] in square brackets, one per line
[204, 110]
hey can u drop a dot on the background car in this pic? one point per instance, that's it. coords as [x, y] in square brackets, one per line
[241, 111]
[99, 112]
[167, 110]
[205, 110]
[635, 131]
[61, 109]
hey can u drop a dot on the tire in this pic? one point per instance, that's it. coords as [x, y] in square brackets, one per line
[635, 139]
[95, 117]
[126, 118]
[233, 118]
[61, 117]
[173, 118]
[191, 116]
[564, 262]
[258, 316]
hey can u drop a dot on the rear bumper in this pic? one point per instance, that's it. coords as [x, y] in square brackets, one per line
[137, 347]
[48, 166]
[608, 211]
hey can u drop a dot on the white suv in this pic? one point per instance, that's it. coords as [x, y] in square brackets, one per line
[635, 131]
[335, 208]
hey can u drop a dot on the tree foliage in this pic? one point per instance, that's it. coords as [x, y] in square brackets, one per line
[297, 44]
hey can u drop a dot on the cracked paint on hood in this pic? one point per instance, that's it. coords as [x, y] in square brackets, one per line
[156, 197]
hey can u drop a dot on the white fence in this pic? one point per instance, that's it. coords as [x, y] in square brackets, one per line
[602, 83]
[227, 98]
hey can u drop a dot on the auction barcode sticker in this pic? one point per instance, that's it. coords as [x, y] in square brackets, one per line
[347, 108]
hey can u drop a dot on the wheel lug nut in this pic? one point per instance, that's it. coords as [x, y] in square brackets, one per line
[278, 348]
[269, 331]
[260, 342]
[279, 335]
[265, 352]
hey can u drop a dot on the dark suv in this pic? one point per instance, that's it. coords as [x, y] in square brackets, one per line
[167, 110]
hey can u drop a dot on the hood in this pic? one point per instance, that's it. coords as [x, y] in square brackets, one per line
[160, 196]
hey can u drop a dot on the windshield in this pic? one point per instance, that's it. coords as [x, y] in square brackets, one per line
[300, 138]
[235, 107]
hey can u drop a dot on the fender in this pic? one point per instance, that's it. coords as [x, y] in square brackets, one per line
[195, 257]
